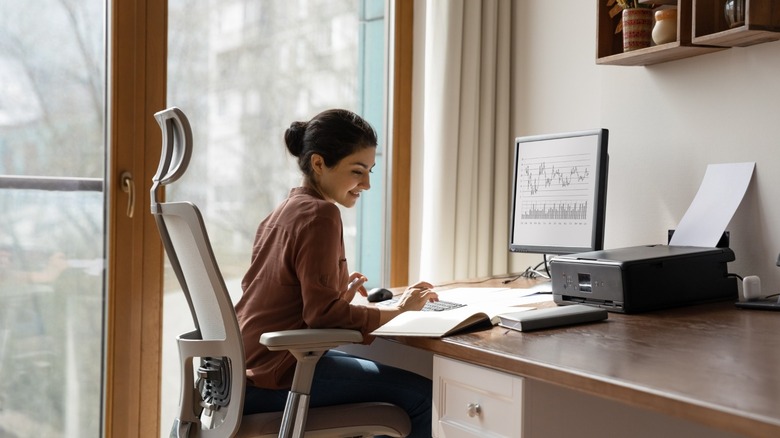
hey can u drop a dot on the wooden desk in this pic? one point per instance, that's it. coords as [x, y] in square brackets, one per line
[713, 364]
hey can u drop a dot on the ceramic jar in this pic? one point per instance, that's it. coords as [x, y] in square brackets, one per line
[665, 29]
[637, 28]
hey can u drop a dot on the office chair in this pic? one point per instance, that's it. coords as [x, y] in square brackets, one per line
[212, 396]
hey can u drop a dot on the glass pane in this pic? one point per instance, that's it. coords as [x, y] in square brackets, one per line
[242, 71]
[51, 290]
[51, 217]
[370, 235]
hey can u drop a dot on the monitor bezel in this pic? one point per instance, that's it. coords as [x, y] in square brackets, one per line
[600, 197]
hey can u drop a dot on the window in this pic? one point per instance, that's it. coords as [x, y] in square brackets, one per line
[52, 156]
[287, 63]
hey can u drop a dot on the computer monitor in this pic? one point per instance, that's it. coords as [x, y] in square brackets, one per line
[559, 193]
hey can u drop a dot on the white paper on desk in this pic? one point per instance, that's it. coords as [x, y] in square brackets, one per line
[522, 296]
[496, 296]
[470, 295]
[719, 195]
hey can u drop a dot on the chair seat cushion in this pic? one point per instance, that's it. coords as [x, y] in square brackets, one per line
[335, 421]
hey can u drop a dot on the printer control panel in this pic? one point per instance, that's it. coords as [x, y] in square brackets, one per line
[583, 282]
[589, 283]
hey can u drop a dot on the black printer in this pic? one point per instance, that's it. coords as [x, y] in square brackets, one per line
[643, 278]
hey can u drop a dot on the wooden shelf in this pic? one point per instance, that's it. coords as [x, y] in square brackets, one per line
[655, 54]
[762, 24]
[609, 45]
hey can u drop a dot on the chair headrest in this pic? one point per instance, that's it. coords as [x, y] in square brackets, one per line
[176, 148]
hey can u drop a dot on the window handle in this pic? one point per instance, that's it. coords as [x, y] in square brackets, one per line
[128, 187]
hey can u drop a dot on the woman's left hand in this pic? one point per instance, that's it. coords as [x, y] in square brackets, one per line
[356, 282]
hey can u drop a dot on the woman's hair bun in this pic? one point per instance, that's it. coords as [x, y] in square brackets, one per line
[293, 137]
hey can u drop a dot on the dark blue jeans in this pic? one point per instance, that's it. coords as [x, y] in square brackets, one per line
[341, 378]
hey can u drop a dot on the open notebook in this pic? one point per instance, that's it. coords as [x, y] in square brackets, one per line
[481, 305]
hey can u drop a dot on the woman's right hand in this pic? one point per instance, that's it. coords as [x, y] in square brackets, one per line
[415, 296]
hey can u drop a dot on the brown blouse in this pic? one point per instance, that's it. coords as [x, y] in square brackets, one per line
[296, 280]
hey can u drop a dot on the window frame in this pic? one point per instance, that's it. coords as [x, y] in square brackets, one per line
[136, 70]
[401, 21]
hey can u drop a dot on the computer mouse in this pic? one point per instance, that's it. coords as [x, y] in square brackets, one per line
[378, 294]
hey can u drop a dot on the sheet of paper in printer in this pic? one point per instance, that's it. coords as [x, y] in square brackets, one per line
[720, 193]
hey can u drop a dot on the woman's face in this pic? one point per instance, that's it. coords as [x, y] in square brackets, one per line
[343, 182]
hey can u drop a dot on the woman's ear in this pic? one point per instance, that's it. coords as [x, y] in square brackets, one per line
[317, 163]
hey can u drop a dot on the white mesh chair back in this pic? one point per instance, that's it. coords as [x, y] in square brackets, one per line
[216, 342]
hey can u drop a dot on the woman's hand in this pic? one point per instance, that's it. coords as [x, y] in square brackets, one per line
[355, 284]
[415, 296]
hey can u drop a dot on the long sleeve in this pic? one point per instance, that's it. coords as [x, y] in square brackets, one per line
[297, 272]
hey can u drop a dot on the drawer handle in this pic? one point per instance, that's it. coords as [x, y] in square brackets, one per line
[473, 409]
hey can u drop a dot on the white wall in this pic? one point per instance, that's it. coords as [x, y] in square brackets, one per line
[666, 123]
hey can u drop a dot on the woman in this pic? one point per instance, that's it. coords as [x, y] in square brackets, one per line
[298, 278]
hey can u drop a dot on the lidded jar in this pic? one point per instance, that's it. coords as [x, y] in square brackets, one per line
[665, 29]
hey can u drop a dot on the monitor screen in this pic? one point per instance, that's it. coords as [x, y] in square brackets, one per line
[559, 193]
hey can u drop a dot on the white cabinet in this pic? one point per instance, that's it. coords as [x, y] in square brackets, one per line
[473, 401]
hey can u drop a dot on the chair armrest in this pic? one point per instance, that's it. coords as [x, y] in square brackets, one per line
[309, 339]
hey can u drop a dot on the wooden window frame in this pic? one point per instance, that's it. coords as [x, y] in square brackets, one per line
[137, 41]
[401, 153]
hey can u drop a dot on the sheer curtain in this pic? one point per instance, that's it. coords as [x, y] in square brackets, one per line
[462, 180]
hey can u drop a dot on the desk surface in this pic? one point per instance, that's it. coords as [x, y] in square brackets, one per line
[713, 364]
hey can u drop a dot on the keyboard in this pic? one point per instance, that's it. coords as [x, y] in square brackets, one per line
[436, 306]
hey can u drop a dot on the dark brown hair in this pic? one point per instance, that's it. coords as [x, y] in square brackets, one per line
[332, 134]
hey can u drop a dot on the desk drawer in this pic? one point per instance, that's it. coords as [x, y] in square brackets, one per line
[473, 401]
